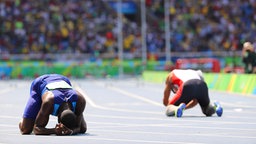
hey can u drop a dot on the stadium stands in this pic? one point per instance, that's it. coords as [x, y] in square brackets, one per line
[73, 26]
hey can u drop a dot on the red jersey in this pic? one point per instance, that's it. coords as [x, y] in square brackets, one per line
[179, 77]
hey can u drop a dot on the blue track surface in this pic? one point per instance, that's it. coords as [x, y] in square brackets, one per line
[131, 111]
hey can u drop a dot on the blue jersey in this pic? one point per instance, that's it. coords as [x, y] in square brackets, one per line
[61, 88]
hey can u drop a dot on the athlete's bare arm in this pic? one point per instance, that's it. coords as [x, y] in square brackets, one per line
[167, 90]
[43, 116]
[81, 104]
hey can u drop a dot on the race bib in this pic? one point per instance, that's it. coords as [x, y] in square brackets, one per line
[58, 84]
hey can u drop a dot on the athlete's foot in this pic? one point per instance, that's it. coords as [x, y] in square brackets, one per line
[218, 109]
[179, 111]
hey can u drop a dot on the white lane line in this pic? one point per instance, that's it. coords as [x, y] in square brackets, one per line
[3, 91]
[237, 105]
[159, 104]
[93, 104]
[206, 120]
[166, 125]
[9, 117]
[53, 119]
[8, 125]
[88, 99]
[141, 141]
[10, 88]
[136, 96]
[124, 92]
[175, 133]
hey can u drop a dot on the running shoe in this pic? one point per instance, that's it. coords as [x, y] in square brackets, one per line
[179, 111]
[218, 109]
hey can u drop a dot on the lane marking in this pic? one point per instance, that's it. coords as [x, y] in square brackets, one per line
[136, 96]
[53, 119]
[121, 125]
[10, 88]
[93, 104]
[237, 105]
[141, 141]
[124, 92]
[115, 124]
[159, 104]
[206, 120]
[148, 101]
[177, 133]
[3, 91]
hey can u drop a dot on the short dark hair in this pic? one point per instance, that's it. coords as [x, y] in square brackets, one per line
[68, 118]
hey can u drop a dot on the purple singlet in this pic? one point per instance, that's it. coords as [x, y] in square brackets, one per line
[59, 85]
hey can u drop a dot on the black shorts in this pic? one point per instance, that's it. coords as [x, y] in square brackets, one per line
[194, 89]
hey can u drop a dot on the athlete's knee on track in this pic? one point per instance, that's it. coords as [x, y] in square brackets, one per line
[25, 130]
[208, 110]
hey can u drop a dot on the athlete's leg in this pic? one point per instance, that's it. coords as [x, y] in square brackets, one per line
[208, 110]
[203, 99]
[83, 128]
[32, 108]
[187, 95]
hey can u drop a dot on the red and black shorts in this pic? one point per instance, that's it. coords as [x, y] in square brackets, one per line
[194, 89]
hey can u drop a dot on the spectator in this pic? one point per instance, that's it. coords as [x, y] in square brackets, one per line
[249, 58]
[57, 26]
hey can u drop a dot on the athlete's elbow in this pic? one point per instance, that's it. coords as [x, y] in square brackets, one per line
[36, 131]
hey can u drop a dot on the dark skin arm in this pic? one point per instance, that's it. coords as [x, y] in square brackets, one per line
[43, 118]
[169, 87]
[167, 90]
[81, 104]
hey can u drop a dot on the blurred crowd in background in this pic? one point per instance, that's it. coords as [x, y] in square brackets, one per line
[90, 26]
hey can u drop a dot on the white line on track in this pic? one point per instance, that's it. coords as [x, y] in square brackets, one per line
[136, 96]
[150, 118]
[8, 125]
[3, 91]
[93, 104]
[132, 95]
[237, 105]
[164, 125]
[141, 141]
[121, 125]
[215, 120]
[173, 133]
[10, 88]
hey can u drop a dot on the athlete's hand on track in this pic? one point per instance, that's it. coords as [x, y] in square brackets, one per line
[61, 129]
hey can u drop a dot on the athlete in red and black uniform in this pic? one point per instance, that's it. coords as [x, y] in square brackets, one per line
[190, 89]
